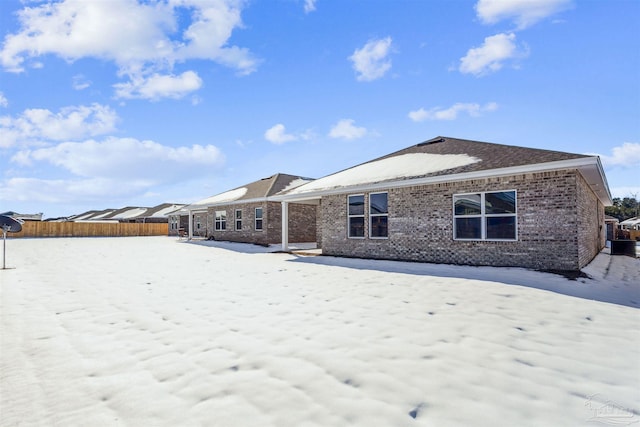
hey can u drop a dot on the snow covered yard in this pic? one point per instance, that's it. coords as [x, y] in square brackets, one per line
[154, 331]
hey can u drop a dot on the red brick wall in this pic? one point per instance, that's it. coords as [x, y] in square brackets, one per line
[557, 224]
[302, 223]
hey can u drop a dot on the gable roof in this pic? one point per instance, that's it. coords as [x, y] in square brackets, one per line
[129, 213]
[255, 191]
[445, 159]
[161, 211]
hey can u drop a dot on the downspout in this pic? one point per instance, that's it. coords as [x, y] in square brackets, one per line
[285, 226]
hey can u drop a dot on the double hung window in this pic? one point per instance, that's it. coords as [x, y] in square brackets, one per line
[258, 223]
[238, 219]
[355, 215]
[378, 216]
[221, 220]
[485, 216]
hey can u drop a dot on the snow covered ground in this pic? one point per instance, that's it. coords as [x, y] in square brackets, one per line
[156, 331]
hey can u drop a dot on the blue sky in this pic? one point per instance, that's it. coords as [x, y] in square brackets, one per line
[106, 104]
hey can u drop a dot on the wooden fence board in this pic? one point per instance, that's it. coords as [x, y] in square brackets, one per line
[89, 229]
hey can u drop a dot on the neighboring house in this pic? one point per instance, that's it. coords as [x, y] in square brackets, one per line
[248, 214]
[178, 222]
[124, 214]
[630, 224]
[156, 214]
[457, 201]
[135, 214]
[612, 225]
[630, 229]
[108, 215]
[24, 217]
[92, 215]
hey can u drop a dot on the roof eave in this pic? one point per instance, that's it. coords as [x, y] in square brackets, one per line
[590, 167]
[203, 207]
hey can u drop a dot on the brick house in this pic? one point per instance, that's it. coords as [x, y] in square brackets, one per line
[247, 214]
[457, 201]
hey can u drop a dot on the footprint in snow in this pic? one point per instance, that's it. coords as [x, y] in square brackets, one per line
[416, 411]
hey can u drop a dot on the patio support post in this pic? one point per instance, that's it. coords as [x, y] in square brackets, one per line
[285, 226]
[190, 224]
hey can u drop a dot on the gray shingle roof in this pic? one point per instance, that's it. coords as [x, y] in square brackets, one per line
[257, 190]
[269, 186]
[444, 159]
[492, 156]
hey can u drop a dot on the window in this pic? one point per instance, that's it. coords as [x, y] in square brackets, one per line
[221, 220]
[258, 218]
[355, 215]
[378, 216]
[485, 216]
[238, 219]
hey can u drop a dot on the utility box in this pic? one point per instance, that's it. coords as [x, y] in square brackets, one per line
[623, 247]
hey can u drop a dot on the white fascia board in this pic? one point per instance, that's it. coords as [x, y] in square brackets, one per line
[603, 177]
[583, 162]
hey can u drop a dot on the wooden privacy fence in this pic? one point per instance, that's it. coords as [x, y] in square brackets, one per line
[89, 229]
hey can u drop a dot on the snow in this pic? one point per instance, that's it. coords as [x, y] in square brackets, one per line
[83, 217]
[165, 211]
[227, 196]
[397, 167]
[156, 331]
[133, 212]
[296, 183]
[102, 215]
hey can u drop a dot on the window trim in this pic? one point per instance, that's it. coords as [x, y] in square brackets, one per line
[349, 216]
[256, 219]
[483, 216]
[237, 219]
[372, 215]
[220, 224]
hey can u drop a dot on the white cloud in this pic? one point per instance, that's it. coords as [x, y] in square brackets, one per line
[35, 126]
[371, 61]
[345, 129]
[309, 6]
[159, 86]
[124, 159]
[625, 155]
[523, 12]
[452, 112]
[4, 102]
[80, 82]
[68, 190]
[278, 135]
[491, 56]
[149, 41]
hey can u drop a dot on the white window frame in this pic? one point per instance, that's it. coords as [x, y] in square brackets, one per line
[256, 219]
[237, 219]
[220, 222]
[483, 216]
[349, 216]
[372, 215]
